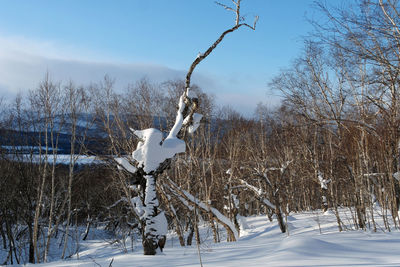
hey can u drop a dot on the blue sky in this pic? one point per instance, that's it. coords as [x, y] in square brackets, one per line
[83, 40]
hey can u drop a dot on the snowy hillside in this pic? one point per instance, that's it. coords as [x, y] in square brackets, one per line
[314, 240]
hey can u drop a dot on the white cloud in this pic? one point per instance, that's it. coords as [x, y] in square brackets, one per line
[24, 62]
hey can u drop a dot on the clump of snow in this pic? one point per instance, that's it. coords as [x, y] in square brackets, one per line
[259, 192]
[195, 122]
[137, 203]
[235, 200]
[151, 151]
[126, 165]
[324, 182]
[178, 120]
[396, 175]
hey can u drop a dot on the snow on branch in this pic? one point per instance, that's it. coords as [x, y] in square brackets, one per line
[190, 200]
[396, 175]
[181, 199]
[258, 192]
[285, 165]
[196, 118]
[151, 152]
[179, 119]
[323, 182]
[123, 163]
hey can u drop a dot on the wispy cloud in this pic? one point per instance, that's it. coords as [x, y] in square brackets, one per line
[24, 62]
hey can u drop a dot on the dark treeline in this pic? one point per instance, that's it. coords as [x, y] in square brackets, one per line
[332, 144]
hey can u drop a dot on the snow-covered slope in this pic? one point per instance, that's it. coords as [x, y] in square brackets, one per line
[261, 244]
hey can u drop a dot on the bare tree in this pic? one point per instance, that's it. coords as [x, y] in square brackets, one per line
[45, 102]
[153, 154]
[77, 103]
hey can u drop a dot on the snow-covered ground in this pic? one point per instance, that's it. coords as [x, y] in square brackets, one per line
[61, 158]
[261, 244]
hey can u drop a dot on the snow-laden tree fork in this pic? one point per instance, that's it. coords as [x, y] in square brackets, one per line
[153, 154]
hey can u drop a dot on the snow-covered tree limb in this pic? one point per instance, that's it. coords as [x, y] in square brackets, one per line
[123, 163]
[189, 200]
[260, 195]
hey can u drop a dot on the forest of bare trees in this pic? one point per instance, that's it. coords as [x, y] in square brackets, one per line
[333, 143]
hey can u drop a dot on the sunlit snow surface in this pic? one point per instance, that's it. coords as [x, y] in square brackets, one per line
[60, 158]
[260, 244]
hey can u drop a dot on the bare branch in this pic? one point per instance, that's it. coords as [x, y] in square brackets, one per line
[202, 56]
[225, 6]
[191, 103]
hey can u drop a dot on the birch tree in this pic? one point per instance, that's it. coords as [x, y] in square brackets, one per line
[154, 153]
